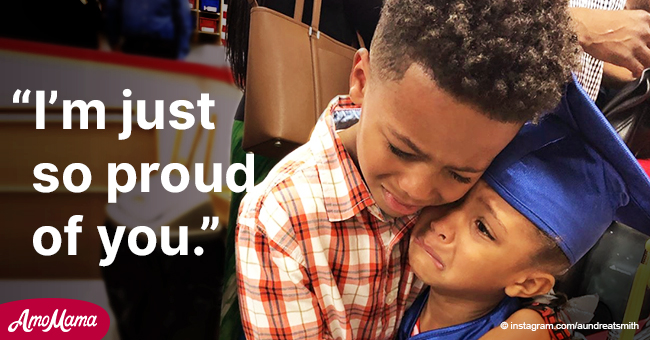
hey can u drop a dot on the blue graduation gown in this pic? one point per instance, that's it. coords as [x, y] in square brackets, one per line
[468, 331]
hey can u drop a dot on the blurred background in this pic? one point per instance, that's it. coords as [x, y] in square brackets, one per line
[88, 49]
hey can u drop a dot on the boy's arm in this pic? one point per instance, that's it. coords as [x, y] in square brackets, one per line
[274, 295]
[520, 317]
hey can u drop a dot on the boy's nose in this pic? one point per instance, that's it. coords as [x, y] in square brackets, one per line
[421, 188]
[443, 230]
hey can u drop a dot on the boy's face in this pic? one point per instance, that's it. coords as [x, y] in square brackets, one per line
[475, 248]
[415, 144]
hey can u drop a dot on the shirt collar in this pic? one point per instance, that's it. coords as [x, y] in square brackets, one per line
[345, 193]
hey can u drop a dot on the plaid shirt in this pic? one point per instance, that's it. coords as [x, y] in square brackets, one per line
[316, 258]
[591, 69]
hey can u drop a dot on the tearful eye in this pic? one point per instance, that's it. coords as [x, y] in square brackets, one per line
[484, 230]
[399, 153]
[461, 179]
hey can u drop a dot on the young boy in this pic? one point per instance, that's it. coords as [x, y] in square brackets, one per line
[447, 84]
[542, 204]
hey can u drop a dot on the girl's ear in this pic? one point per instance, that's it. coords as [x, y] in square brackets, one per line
[532, 284]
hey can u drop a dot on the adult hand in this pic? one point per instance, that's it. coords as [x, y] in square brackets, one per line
[616, 76]
[638, 4]
[618, 37]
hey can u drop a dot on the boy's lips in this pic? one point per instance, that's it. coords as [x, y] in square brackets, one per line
[434, 256]
[396, 204]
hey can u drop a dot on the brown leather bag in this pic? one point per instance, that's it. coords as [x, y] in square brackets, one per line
[294, 70]
[629, 113]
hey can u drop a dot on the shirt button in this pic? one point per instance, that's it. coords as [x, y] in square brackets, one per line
[390, 298]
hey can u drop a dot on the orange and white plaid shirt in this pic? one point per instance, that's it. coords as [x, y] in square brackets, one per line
[316, 257]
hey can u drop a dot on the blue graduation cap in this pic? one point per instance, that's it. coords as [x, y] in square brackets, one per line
[571, 175]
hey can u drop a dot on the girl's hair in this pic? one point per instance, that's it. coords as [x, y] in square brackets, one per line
[237, 39]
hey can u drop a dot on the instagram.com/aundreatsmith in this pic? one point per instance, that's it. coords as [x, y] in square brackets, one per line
[570, 326]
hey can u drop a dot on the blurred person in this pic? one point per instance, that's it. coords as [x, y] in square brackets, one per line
[157, 28]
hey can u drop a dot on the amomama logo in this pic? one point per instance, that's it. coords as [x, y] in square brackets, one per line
[53, 319]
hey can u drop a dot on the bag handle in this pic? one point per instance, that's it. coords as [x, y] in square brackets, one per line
[315, 14]
[362, 44]
[297, 11]
[315, 17]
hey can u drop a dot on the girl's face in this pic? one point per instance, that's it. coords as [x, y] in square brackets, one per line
[473, 249]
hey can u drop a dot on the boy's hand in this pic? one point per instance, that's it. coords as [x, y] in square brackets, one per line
[618, 37]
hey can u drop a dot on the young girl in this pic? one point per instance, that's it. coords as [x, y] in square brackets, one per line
[542, 204]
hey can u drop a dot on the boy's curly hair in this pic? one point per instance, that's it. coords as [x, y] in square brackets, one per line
[509, 58]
